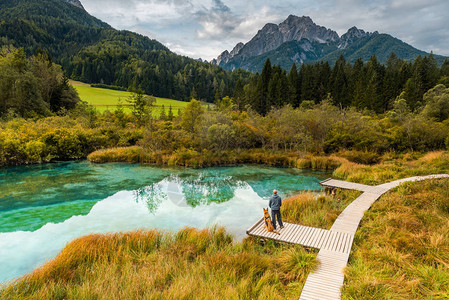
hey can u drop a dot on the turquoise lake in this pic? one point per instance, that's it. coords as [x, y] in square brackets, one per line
[43, 207]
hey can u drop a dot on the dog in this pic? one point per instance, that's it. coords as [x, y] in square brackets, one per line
[268, 223]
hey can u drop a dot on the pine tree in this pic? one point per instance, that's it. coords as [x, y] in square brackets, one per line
[422, 79]
[444, 71]
[119, 114]
[163, 115]
[392, 81]
[293, 85]
[170, 114]
[262, 105]
[307, 83]
[322, 79]
[217, 96]
[431, 72]
[339, 83]
[272, 90]
[193, 94]
[239, 95]
[374, 90]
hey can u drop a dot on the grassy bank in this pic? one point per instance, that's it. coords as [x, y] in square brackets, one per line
[402, 247]
[394, 167]
[203, 264]
[206, 158]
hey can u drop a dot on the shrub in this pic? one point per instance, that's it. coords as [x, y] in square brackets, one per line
[361, 157]
[122, 154]
[106, 86]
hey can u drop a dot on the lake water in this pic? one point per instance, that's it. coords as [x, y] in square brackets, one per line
[43, 207]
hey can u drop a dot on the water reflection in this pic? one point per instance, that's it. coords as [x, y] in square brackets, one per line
[152, 196]
[32, 196]
[189, 191]
[60, 202]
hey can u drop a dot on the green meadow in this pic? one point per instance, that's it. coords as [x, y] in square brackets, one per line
[107, 99]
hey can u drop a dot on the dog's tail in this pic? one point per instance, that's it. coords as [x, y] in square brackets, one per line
[275, 231]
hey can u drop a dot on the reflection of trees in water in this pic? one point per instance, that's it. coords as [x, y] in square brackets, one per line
[197, 190]
[206, 189]
[151, 195]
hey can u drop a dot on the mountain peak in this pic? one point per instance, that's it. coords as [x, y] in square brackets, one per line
[271, 36]
[292, 19]
[354, 32]
[299, 40]
[268, 28]
[296, 28]
[223, 57]
[76, 3]
[351, 35]
[236, 49]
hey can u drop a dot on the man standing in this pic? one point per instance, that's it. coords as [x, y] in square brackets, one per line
[275, 205]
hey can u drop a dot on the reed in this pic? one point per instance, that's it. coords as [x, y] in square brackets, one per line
[151, 264]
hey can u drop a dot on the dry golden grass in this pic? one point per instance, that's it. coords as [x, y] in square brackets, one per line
[402, 247]
[432, 156]
[320, 162]
[316, 210]
[189, 264]
[391, 169]
[121, 154]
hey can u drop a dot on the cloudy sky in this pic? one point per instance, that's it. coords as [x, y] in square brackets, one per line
[204, 28]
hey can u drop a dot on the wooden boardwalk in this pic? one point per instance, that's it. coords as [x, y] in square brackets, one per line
[334, 244]
[306, 236]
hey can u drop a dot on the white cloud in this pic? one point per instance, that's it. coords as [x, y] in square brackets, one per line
[204, 28]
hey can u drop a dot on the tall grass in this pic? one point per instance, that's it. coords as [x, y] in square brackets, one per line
[316, 210]
[394, 168]
[189, 264]
[402, 247]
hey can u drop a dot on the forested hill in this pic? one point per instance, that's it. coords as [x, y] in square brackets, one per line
[92, 51]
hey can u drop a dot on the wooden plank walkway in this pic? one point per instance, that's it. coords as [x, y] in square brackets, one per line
[307, 236]
[334, 244]
[327, 280]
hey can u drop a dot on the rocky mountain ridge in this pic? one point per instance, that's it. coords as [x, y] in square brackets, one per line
[299, 40]
[271, 36]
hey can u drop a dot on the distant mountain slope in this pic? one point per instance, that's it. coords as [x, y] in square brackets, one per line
[299, 40]
[75, 2]
[92, 51]
[39, 10]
